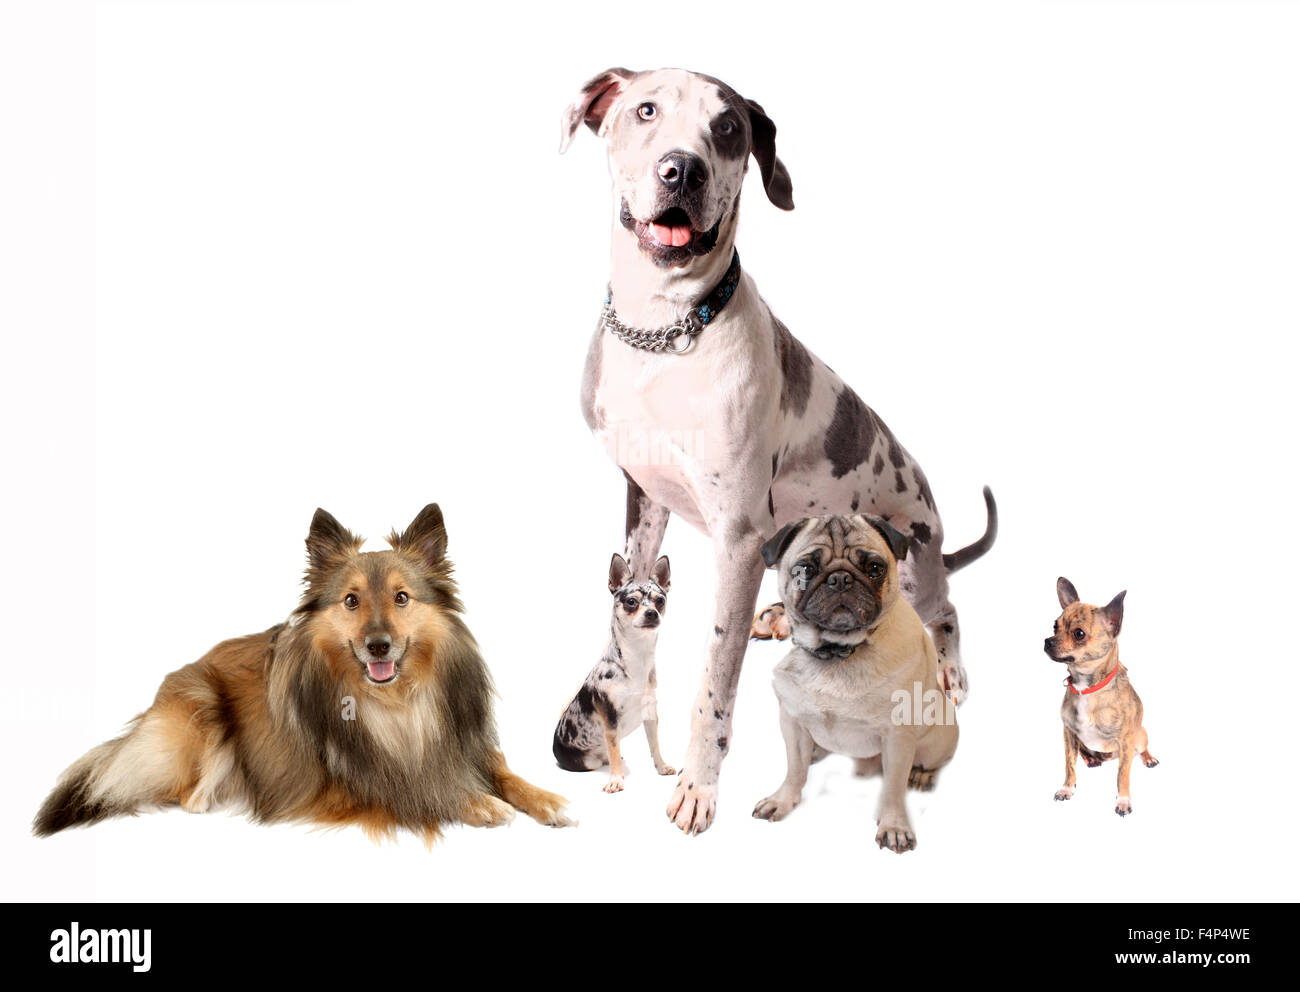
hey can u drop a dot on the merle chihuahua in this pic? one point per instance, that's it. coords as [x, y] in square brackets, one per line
[619, 693]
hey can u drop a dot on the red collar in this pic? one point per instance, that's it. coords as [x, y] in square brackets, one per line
[1093, 688]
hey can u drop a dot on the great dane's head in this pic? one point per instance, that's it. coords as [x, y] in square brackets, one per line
[679, 146]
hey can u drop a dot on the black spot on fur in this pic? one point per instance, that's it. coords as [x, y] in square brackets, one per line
[722, 744]
[856, 503]
[568, 757]
[899, 485]
[921, 532]
[879, 465]
[634, 497]
[719, 631]
[796, 370]
[851, 434]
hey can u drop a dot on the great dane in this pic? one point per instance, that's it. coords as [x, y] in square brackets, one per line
[713, 410]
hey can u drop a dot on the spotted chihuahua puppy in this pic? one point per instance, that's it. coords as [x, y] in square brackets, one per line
[619, 694]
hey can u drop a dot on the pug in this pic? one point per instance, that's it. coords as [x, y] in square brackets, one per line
[861, 678]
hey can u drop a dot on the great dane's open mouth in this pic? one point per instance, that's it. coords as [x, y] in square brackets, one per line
[671, 236]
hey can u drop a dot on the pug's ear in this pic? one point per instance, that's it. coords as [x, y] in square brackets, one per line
[619, 572]
[774, 547]
[592, 103]
[897, 542]
[1065, 592]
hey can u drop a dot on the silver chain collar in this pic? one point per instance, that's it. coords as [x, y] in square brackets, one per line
[675, 338]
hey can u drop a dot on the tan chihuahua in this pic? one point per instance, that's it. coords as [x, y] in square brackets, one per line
[1101, 711]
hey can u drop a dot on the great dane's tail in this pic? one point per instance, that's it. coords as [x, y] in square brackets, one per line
[962, 558]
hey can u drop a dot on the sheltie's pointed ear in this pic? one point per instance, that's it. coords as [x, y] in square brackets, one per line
[328, 540]
[426, 536]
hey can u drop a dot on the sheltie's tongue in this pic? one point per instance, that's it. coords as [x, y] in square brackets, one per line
[671, 236]
[381, 671]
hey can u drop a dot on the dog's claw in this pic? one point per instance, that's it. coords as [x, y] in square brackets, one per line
[691, 808]
[898, 839]
[773, 809]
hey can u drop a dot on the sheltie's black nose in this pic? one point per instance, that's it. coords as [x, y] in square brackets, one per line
[378, 646]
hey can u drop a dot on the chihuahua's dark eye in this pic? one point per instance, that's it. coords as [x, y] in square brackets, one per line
[351, 601]
[647, 111]
[659, 602]
[401, 599]
[630, 604]
[1079, 634]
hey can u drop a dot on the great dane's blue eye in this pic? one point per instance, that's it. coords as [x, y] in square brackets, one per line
[647, 111]
[726, 126]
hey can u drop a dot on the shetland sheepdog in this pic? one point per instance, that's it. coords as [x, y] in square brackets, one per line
[370, 705]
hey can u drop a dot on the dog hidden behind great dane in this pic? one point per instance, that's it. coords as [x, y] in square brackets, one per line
[711, 407]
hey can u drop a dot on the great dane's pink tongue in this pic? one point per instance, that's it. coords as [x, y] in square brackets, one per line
[671, 237]
[380, 671]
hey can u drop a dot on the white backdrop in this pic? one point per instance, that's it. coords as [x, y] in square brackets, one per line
[265, 257]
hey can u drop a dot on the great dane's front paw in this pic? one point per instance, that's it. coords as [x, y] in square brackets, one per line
[615, 784]
[770, 623]
[692, 806]
[1064, 793]
[896, 836]
[952, 680]
[774, 807]
[1124, 806]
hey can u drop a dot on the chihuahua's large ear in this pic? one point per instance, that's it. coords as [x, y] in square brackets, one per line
[897, 542]
[592, 103]
[776, 180]
[1065, 592]
[619, 572]
[426, 536]
[328, 540]
[774, 547]
[662, 574]
[1112, 614]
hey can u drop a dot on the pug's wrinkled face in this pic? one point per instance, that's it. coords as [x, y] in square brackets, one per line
[838, 577]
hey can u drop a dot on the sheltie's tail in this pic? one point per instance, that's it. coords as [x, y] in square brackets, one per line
[118, 778]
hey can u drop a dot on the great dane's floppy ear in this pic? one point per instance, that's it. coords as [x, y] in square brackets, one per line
[775, 545]
[1112, 614]
[897, 542]
[661, 573]
[1065, 592]
[619, 572]
[592, 103]
[776, 180]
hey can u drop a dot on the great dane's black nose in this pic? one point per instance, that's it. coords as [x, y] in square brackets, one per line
[378, 646]
[839, 581]
[681, 170]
